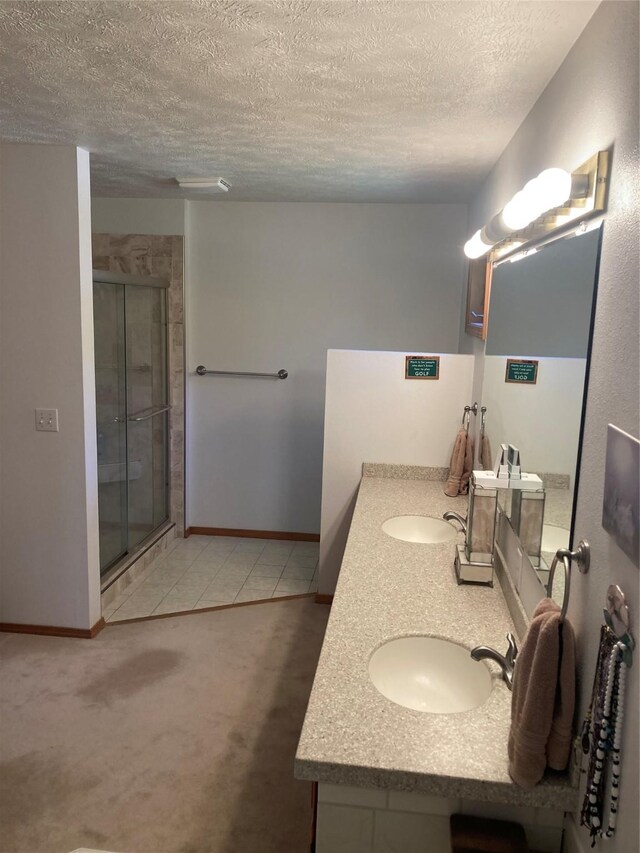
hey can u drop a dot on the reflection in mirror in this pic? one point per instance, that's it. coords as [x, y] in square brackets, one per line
[540, 317]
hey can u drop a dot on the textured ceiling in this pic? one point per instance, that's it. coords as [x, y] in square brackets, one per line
[287, 100]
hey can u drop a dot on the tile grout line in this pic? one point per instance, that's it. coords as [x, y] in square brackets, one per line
[249, 552]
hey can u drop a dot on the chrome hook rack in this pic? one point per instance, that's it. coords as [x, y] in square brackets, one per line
[616, 617]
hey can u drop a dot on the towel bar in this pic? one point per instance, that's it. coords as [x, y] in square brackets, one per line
[466, 414]
[582, 556]
[201, 370]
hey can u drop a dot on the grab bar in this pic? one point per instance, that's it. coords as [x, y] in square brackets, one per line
[150, 413]
[201, 370]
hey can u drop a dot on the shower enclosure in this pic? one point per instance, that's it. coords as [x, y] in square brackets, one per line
[130, 332]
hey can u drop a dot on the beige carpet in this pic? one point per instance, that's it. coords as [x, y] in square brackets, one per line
[168, 736]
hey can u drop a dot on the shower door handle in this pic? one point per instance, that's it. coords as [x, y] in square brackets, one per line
[145, 414]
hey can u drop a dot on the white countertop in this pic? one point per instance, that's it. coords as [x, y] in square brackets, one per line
[389, 588]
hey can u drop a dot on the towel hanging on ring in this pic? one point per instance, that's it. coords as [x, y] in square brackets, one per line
[461, 465]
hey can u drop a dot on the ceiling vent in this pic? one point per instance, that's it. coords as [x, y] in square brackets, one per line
[216, 185]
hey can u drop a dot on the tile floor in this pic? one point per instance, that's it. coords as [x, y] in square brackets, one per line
[207, 571]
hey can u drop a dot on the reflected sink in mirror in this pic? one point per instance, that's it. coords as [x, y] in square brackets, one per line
[421, 529]
[431, 675]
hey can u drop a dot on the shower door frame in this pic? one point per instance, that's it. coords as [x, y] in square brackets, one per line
[117, 278]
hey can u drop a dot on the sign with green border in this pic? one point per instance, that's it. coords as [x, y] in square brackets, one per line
[422, 367]
[521, 371]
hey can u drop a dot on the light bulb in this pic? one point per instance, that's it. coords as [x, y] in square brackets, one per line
[550, 189]
[475, 247]
[516, 213]
[553, 187]
[534, 193]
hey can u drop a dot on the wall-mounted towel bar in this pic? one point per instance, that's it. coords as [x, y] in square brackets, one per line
[582, 556]
[201, 370]
[466, 415]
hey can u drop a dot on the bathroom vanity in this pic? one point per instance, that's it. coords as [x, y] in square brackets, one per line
[389, 775]
[401, 733]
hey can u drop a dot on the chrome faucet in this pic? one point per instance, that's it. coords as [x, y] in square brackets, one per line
[462, 521]
[506, 662]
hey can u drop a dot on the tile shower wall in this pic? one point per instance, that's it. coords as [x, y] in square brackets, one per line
[146, 254]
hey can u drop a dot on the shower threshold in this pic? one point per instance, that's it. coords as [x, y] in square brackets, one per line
[142, 553]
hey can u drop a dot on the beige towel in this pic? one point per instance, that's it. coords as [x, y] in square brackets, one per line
[543, 698]
[561, 736]
[457, 464]
[485, 454]
[468, 466]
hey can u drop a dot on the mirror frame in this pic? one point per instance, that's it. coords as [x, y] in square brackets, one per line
[585, 392]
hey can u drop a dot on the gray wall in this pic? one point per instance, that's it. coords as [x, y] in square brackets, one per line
[541, 305]
[273, 285]
[590, 104]
[50, 572]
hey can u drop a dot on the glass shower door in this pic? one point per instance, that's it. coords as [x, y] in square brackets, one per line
[147, 410]
[130, 333]
[111, 409]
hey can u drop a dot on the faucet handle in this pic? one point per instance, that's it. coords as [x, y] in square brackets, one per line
[512, 651]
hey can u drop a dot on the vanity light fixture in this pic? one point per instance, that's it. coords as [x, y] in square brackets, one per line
[506, 252]
[546, 203]
[587, 227]
[504, 248]
[520, 255]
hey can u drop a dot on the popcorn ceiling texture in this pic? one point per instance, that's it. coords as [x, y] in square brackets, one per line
[308, 101]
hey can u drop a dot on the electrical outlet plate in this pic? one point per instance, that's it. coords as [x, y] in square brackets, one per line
[47, 420]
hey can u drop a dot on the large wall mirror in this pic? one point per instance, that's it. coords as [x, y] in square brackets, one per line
[535, 372]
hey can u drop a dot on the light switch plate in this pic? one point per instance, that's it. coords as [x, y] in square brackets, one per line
[47, 420]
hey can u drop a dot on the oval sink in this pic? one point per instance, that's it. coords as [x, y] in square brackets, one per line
[420, 528]
[554, 537]
[428, 674]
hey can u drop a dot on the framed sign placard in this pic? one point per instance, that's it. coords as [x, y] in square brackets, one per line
[422, 367]
[522, 371]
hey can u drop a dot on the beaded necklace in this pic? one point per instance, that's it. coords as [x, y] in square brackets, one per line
[601, 737]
